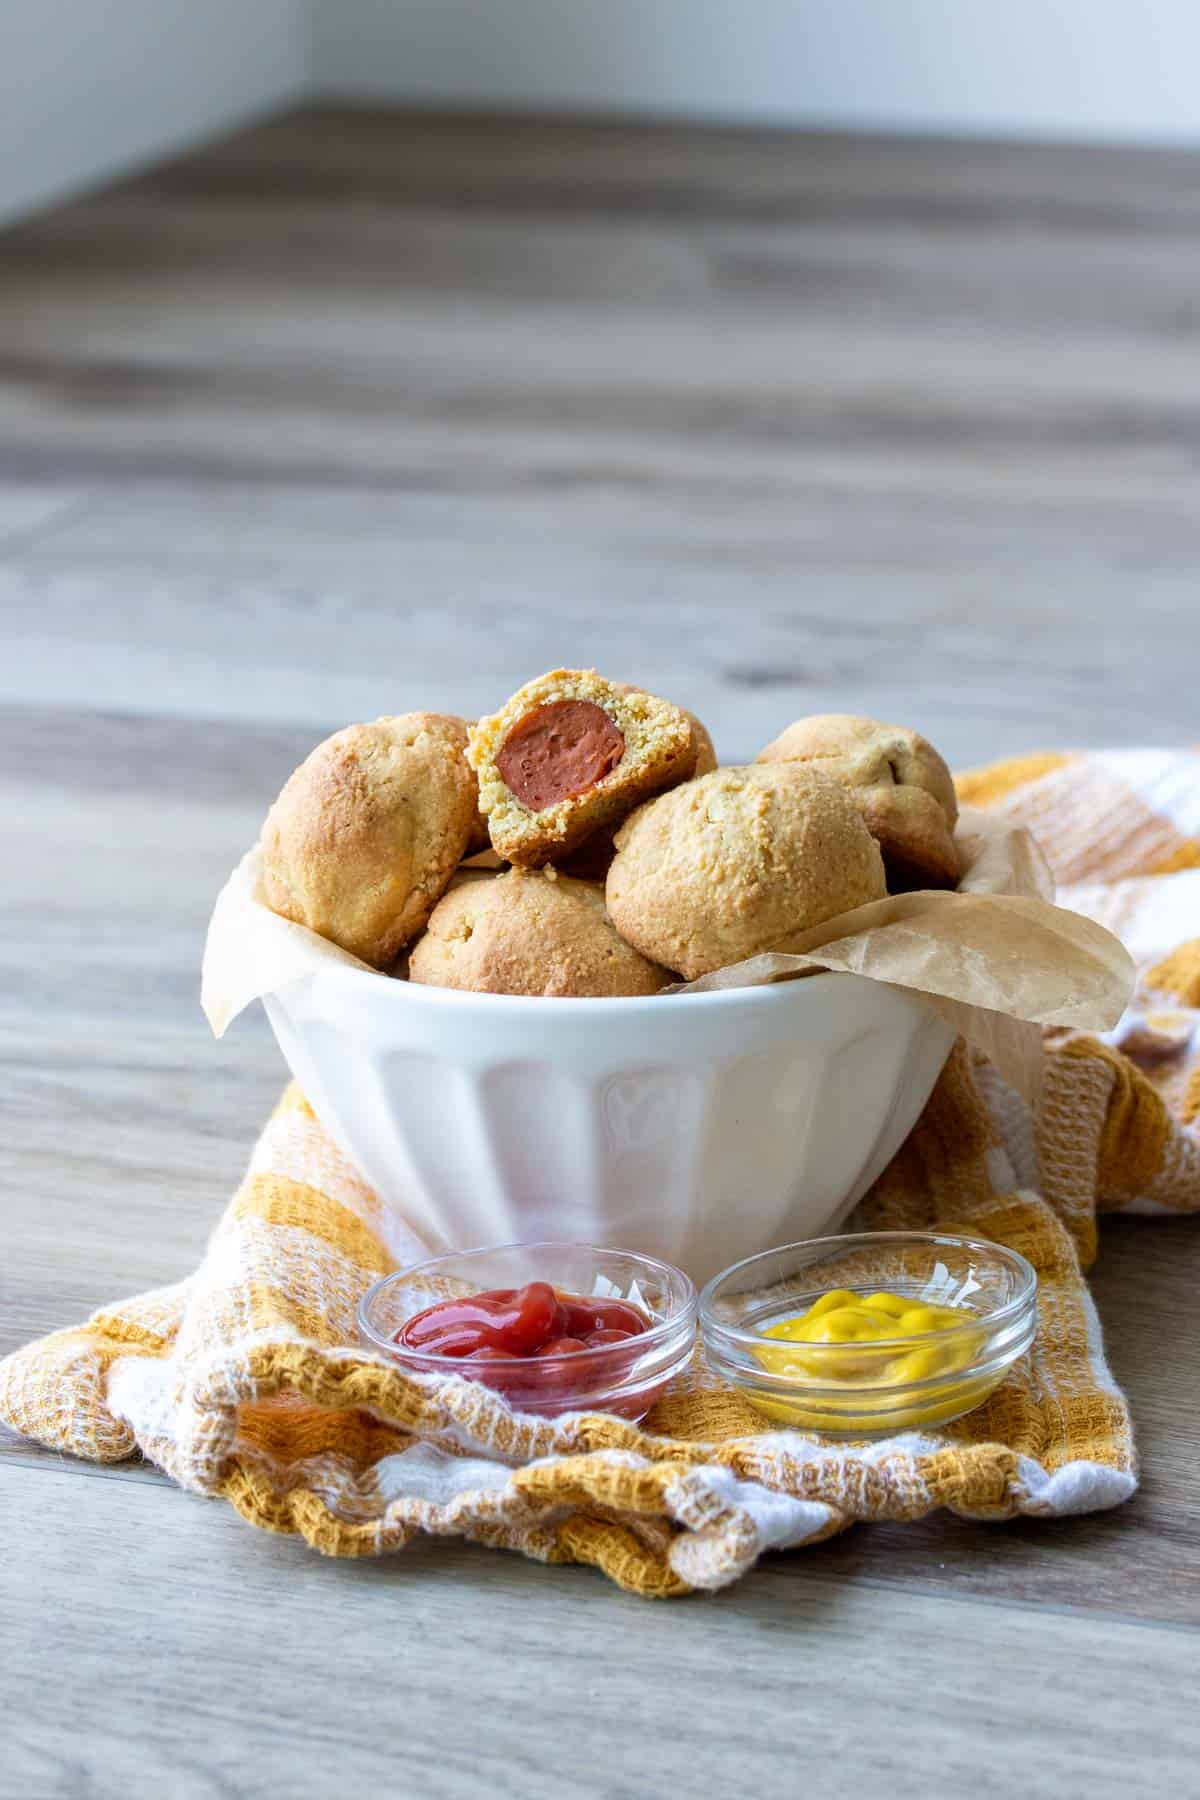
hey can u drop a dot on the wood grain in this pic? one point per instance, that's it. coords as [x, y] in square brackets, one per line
[207, 1661]
[357, 412]
[465, 391]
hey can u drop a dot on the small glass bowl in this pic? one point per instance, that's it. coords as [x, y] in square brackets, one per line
[861, 1390]
[621, 1378]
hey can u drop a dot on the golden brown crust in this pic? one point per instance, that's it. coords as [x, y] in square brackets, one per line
[734, 862]
[367, 832]
[900, 784]
[528, 932]
[701, 757]
[660, 749]
[705, 760]
[479, 839]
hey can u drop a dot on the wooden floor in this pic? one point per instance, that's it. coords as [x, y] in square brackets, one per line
[359, 412]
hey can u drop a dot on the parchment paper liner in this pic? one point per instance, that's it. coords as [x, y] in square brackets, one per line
[996, 958]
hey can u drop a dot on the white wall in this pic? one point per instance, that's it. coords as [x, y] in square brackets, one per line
[89, 88]
[1056, 68]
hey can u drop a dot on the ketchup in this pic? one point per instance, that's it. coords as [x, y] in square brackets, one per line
[534, 1321]
[525, 1344]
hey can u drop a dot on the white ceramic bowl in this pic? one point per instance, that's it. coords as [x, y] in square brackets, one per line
[698, 1128]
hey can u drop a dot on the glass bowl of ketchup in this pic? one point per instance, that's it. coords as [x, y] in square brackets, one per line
[552, 1327]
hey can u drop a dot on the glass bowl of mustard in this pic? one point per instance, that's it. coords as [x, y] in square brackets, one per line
[865, 1335]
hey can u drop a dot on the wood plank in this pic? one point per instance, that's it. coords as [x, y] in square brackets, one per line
[557, 293]
[204, 1659]
[344, 606]
[532, 383]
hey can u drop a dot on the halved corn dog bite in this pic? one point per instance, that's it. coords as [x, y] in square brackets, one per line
[571, 753]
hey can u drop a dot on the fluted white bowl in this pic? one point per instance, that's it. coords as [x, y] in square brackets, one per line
[698, 1128]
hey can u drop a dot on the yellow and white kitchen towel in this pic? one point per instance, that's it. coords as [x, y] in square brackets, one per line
[245, 1380]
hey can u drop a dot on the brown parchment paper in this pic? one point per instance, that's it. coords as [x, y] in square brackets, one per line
[995, 958]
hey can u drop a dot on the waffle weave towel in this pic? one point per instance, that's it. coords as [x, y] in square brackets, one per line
[244, 1380]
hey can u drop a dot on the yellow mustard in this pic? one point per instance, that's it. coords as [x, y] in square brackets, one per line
[875, 1380]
